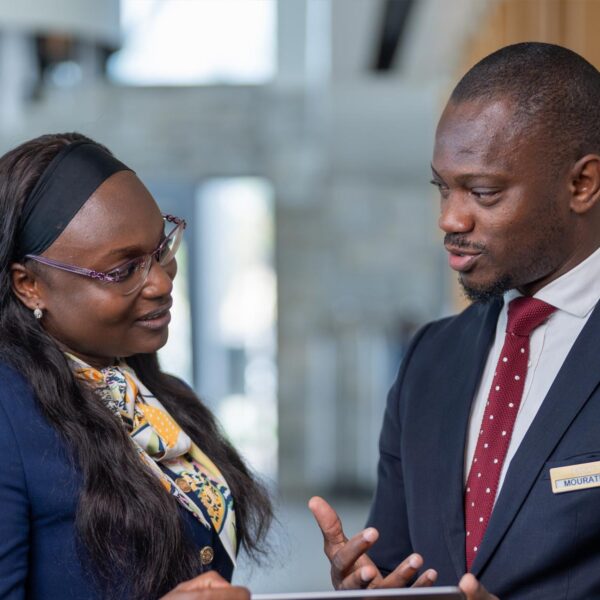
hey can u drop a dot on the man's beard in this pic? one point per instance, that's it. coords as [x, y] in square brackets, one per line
[488, 293]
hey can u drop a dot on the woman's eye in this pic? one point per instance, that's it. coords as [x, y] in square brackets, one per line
[124, 272]
[163, 251]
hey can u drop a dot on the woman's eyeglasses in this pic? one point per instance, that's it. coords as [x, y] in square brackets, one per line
[130, 276]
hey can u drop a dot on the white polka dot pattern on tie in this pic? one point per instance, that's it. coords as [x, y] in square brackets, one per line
[524, 315]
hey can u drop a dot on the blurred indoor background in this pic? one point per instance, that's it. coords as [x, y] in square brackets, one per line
[295, 137]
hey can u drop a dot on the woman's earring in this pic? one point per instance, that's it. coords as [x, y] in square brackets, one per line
[37, 313]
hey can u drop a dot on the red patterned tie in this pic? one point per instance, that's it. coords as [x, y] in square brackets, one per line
[524, 315]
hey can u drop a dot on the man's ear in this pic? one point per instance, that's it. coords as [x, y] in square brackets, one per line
[585, 183]
[26, 286]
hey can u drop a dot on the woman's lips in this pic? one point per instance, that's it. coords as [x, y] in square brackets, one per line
[156, 320]
[462, 262]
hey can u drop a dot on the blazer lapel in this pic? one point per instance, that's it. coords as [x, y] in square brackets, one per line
[574, 384]
[461, 378]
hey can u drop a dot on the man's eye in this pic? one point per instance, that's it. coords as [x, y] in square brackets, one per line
[443, 189]
[485, 192]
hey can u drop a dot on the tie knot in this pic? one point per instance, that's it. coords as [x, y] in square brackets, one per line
[525, 314]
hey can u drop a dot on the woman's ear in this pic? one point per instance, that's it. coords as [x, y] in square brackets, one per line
[26, 286]
[585, 183]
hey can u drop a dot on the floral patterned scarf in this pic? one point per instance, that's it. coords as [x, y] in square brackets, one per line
[183, 469]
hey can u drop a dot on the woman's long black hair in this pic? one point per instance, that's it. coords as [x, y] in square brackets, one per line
[128, 525]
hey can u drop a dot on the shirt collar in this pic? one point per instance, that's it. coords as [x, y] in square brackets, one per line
[576, 292]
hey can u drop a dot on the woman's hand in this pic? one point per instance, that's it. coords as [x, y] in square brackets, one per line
[208, 586]
[351, 568]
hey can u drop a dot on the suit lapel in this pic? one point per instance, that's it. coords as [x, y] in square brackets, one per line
[461, 378]
[574, 384]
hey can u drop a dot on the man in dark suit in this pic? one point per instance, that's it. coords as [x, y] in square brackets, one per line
[490, 447]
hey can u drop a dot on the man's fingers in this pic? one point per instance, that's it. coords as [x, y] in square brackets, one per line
[403, 574]
[329, 523]
[354, 550]
[473, 590]
[360, 578]
[426, 579]
[350, 567]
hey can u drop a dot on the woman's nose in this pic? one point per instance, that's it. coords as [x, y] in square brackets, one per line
[160, 279]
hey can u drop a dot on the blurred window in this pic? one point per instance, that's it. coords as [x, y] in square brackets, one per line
[236, 316]
[191, 42]
[176, 356]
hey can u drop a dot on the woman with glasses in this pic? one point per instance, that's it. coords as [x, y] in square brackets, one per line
[115, 481]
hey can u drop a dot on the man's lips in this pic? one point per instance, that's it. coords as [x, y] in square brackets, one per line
[462, 259]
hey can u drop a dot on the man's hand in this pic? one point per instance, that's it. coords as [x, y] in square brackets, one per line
[208, 586]
[351, 568]
[473, 590]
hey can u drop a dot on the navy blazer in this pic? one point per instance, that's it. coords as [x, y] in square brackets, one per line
[39, 489]
[538, 544]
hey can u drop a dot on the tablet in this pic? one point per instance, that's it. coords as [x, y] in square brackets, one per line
[430, 593]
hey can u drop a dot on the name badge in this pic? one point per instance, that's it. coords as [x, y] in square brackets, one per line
[575, 477]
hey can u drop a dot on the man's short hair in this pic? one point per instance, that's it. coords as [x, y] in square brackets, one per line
[556, 93]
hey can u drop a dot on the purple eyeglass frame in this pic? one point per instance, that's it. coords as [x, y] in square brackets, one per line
[99, 275]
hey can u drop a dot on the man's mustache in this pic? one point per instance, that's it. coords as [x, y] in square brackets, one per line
[457, 240]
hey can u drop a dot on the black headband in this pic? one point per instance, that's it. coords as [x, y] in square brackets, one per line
[72, 176]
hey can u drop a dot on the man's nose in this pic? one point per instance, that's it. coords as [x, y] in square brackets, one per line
[455, 214]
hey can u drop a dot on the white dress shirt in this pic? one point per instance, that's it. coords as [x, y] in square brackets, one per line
[574, 295]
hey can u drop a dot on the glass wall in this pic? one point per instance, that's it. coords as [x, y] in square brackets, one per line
[181, 42]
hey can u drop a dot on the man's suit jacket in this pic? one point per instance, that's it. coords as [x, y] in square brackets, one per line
[538, 545]
[39, 487]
